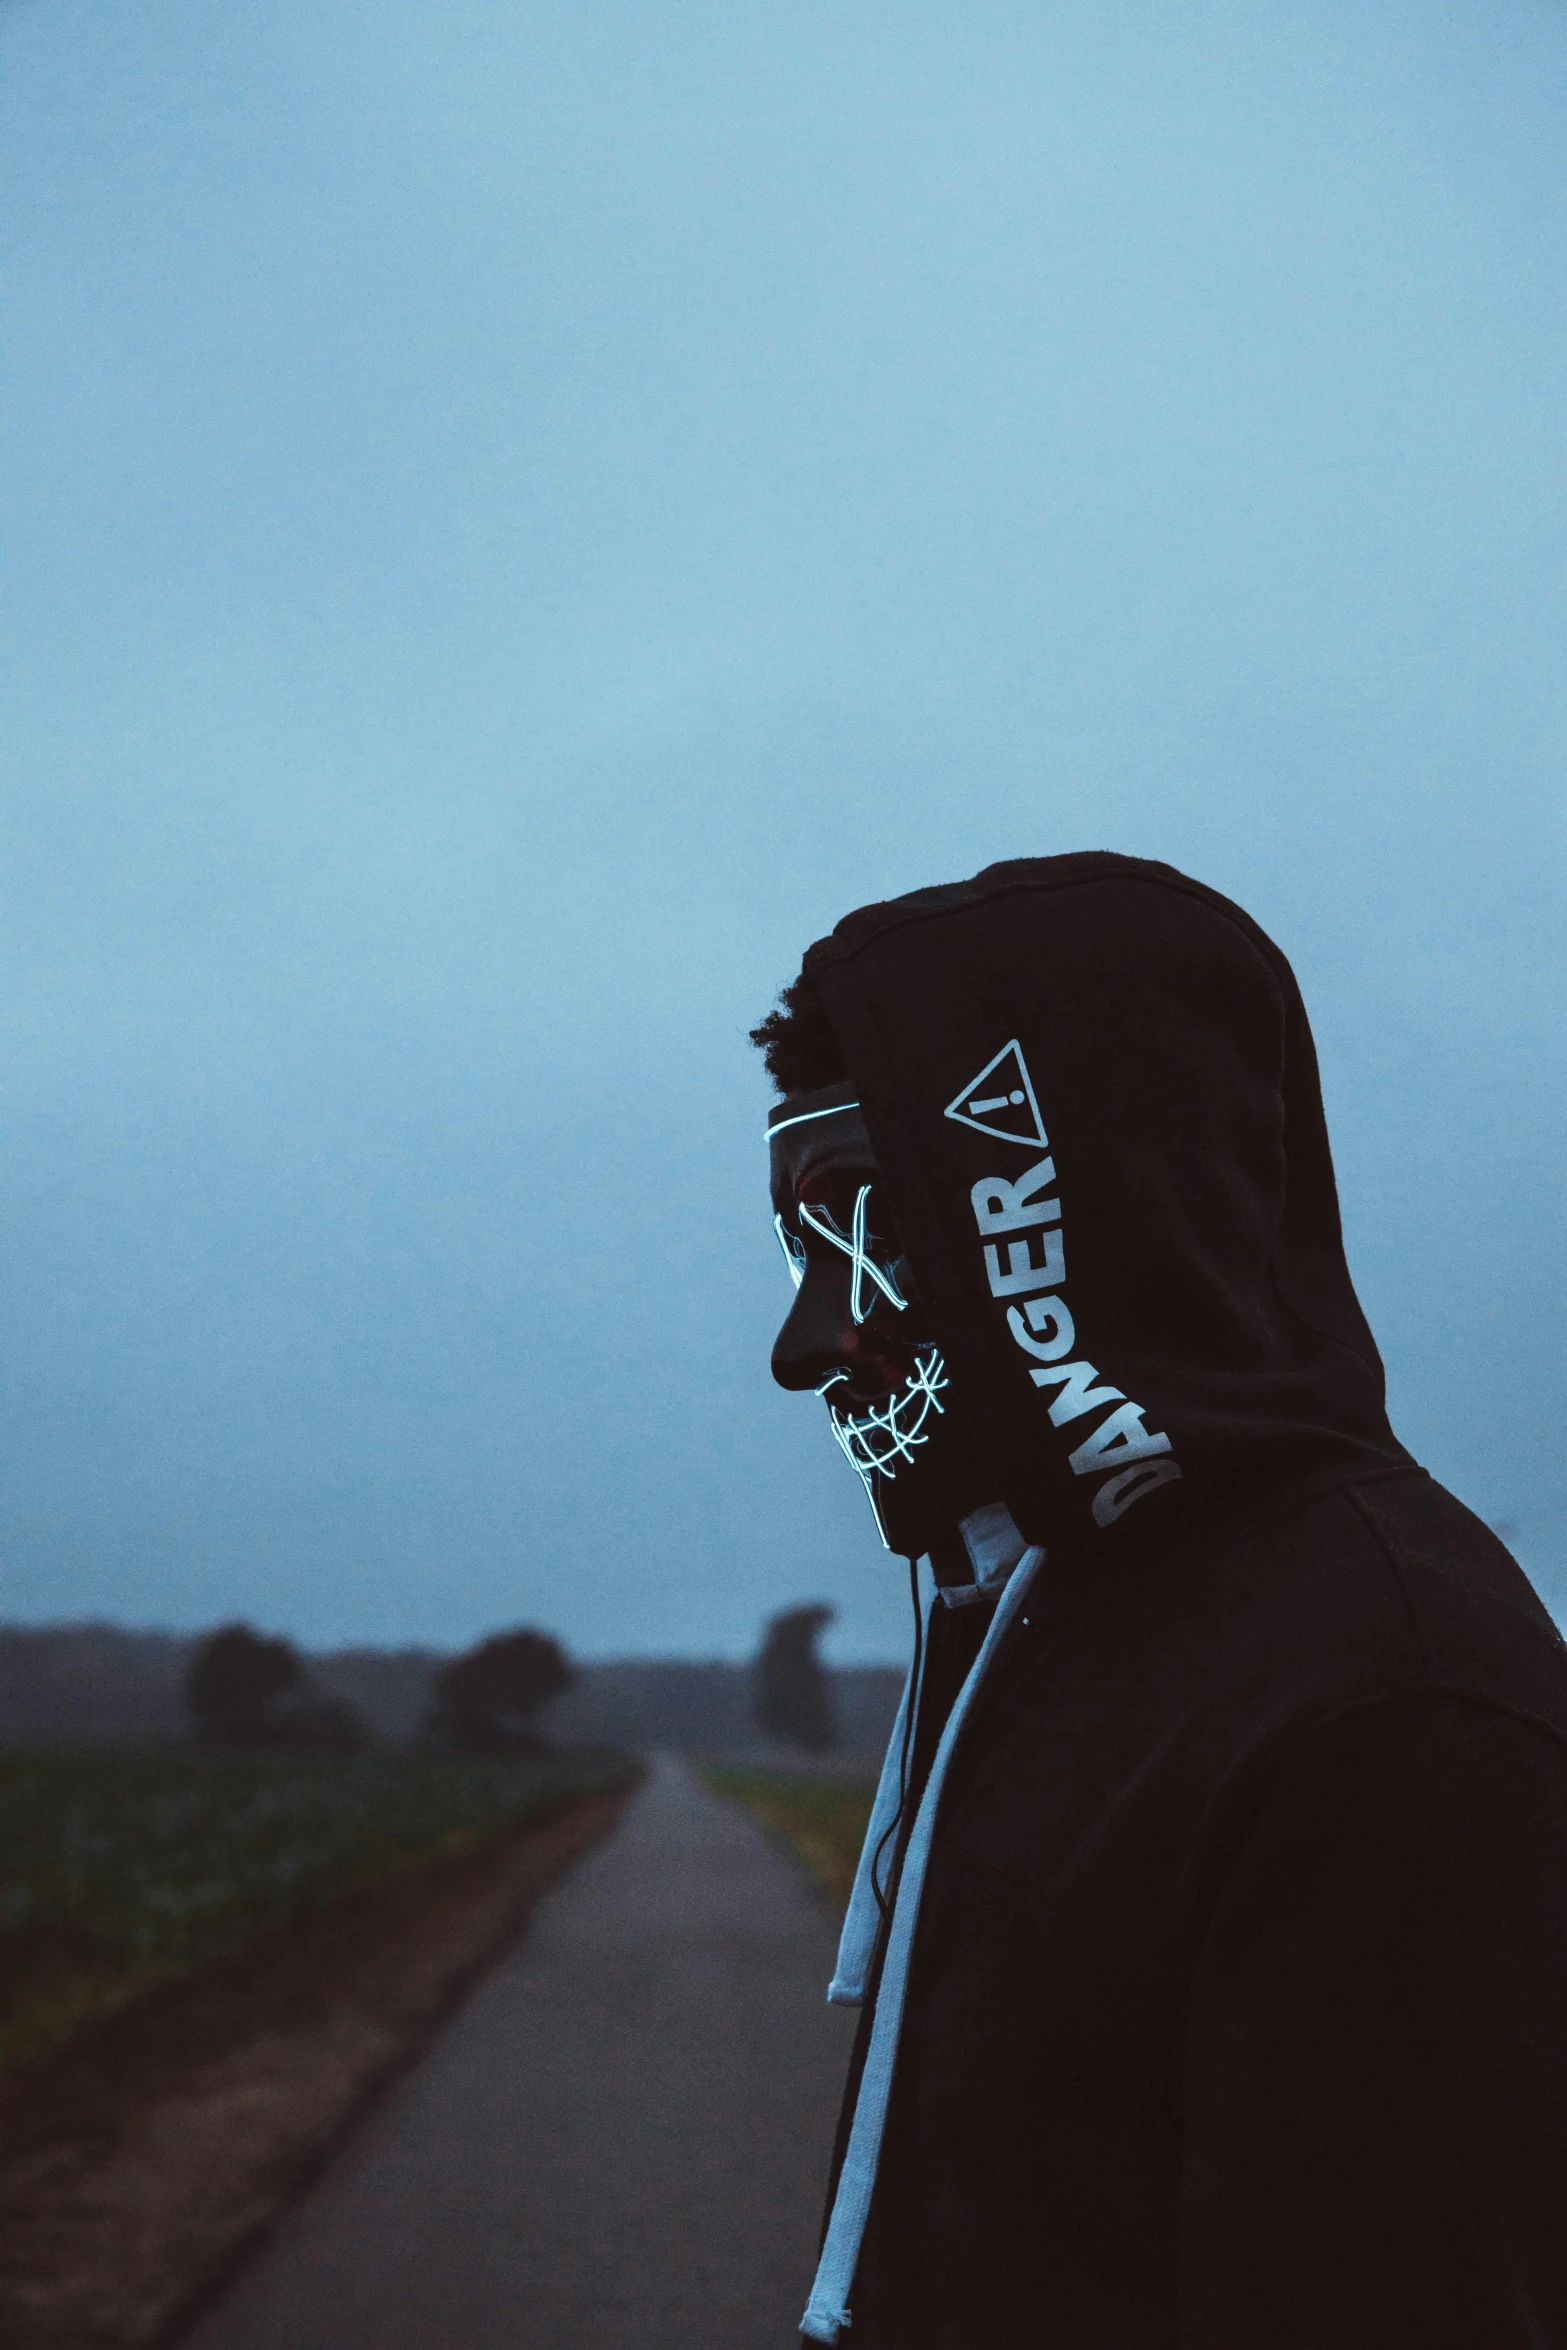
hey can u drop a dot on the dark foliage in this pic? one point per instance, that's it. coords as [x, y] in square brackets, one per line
[793, 1694]
[78, 1683]
[243, 1690]
[797, 1042]
[235, 1682]
[487, 1701]
[83, 1685]
[314, 1724]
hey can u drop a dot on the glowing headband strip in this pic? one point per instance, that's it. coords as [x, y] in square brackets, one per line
[804, 1117]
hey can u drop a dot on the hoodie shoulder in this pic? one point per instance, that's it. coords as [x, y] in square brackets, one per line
[1477, 1620]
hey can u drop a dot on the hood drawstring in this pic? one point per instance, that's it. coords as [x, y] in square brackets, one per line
[827, 2312]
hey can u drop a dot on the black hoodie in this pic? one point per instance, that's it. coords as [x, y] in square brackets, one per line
[1237, 2010]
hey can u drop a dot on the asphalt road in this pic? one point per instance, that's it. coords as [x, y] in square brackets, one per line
[619, 2144]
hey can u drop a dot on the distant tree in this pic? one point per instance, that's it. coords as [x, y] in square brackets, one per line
[488, 1700]
[235, 1682]
[792, 1693]
[242, 1689]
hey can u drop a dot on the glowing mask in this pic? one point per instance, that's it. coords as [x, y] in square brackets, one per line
[823, 1135]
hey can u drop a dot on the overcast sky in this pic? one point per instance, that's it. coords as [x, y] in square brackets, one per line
[520, 516]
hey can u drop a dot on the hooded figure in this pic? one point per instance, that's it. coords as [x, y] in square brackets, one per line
[1211, 1932]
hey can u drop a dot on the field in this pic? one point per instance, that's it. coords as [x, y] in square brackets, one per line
[126, 1870]
[824, 1819]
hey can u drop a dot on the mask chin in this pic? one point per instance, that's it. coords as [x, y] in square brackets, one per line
[916, 1458]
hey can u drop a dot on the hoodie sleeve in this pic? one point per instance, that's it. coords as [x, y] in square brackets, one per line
[1377, 2058]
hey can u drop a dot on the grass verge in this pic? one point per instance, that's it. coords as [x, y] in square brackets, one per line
[823, 1819]
[138, 2163]
[126, 1871]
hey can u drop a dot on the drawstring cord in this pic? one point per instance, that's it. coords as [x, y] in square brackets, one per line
[908, 1739]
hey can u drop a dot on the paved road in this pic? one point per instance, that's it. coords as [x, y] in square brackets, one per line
[619, 2144]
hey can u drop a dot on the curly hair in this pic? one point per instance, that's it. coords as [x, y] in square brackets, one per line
[797, 1042]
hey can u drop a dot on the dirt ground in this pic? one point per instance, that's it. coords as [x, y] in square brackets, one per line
[138, 2167]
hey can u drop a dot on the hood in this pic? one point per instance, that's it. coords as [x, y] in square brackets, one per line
[1091, 1089]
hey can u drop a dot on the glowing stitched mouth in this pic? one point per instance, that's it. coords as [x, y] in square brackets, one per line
[874, 1442]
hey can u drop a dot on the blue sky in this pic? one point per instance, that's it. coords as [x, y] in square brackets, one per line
[520, 517]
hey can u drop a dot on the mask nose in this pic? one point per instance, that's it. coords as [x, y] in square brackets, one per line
[818, 1335]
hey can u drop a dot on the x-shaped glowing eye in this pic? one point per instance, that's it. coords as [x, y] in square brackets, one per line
[853, 1246]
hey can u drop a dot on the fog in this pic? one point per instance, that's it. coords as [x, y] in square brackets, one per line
[521, 517]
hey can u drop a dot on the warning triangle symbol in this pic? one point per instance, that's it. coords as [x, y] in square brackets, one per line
[1000, 1101]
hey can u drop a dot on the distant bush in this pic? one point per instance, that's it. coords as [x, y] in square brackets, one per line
[792, 1693]
[243, 1690]
[234, 1682]
[488, 1701]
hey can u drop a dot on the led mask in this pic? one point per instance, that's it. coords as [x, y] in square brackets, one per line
[857, 1341]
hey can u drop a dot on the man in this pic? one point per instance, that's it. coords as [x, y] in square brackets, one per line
[1212, 1928]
